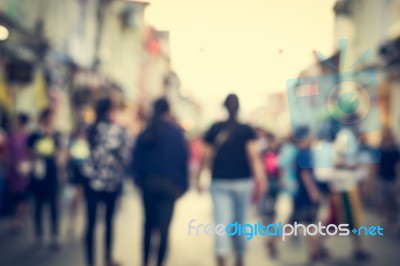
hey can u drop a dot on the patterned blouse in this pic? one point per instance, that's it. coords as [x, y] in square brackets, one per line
[110, 150]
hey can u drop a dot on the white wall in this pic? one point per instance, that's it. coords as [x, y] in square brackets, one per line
[121, 49]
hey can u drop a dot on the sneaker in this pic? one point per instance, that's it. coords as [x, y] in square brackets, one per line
[361, 256]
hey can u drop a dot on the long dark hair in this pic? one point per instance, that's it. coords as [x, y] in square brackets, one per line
[103, 108]
[152, 133]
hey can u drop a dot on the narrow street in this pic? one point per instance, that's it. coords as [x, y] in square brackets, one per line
[18, 250]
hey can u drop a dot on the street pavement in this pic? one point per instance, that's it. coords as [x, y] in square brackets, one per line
[185, 250]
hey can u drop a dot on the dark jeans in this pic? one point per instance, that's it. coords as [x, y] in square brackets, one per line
[93, 199]
[158, 209]
[40, 200]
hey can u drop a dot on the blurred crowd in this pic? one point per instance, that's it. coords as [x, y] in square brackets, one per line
[300, 178]
[331, 180]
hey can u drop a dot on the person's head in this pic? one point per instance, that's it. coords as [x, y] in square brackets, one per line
[22, 120]
[153, 131]
[302, 137]
[80, 131]
[161, 107]
[104, 110]
[46, 117]
[273, 141]
[388, 140]
[352, 122]
[260, 132]
[231, 104]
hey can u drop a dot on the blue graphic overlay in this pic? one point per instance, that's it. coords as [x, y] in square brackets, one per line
[330, 102]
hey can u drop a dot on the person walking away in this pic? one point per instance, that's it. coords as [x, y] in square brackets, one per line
[388, 188]
[369, 159]
[345, 199]
[231, 152]
[160, 168]
[270, 161]
[78, 154]
[288, 183]
[44, 145]
[19, 170]
[309, 196]
[103, 172]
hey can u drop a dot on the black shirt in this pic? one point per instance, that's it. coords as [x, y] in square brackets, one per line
[45, 148]
[303, 158]
[230, 156]
[389, 159]
[165, 158]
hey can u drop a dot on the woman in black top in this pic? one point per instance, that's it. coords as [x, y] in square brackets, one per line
[44, 144]
[160, 164]
[231, 151]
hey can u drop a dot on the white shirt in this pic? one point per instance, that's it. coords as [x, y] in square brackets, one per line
[345, 151]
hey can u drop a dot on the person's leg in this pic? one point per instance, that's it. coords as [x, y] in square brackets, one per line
[165, 211]
[316, 251]
[38, 216]
[91, 210]
[74, 209]
[53, 203]
[149, 205]
[392, 204]
[223, 212]
[353, 208]
[110, 199]
[20, 210]
[283, 212]
[397, 208]
[314, 248]
[18, 220]
[242, 201]
[384, 203]
[283, 207]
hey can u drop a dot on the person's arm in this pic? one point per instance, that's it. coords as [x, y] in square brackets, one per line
[397, 167]
[311, 187]
[346, 151]
[256, 166]
[137, 162]
[61, 155]
[30, 144]
[207, 156]
[204, 163]
[183, 159]
[124, 152]
[347, 165]
[283, 159]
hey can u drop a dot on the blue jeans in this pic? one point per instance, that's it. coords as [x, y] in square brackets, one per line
[231, 200]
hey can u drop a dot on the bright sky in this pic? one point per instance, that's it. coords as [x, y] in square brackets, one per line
[222, 46]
